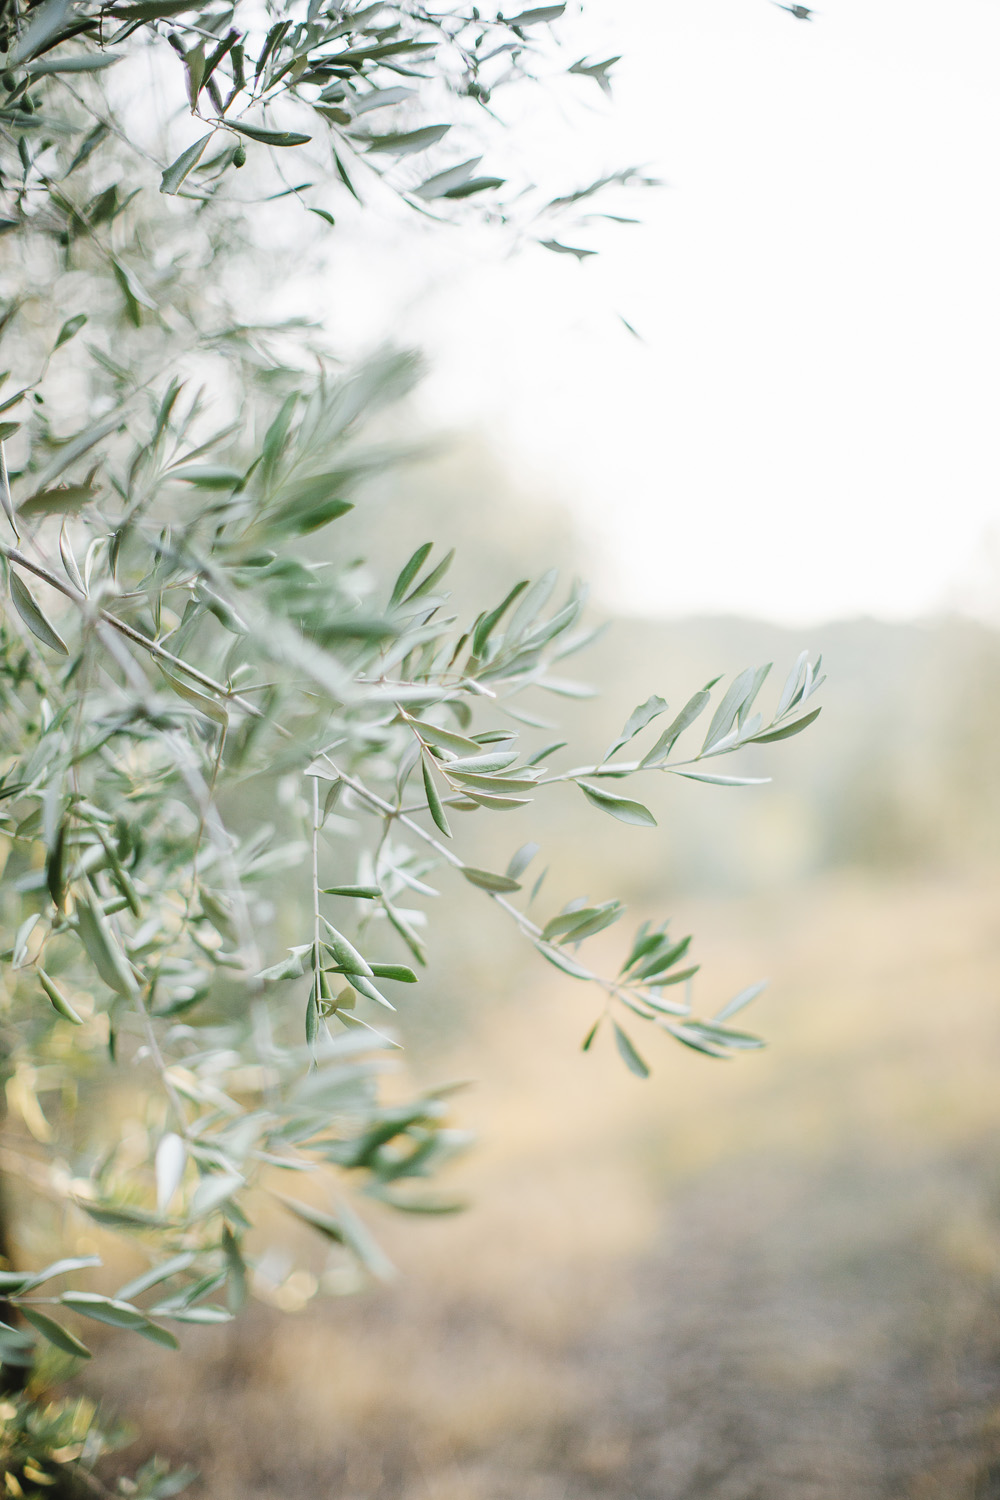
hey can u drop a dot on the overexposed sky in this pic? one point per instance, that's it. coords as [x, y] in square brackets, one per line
[810, 427]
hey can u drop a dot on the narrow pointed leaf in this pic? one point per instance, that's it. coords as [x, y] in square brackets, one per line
[270, 137]
[33, 617]
[175, 174]
[630, 1057]
[621, 808]
[55, 1332]
[787, 730]
[487, 881]
[637, 721]
[673, 732]
[433, 800]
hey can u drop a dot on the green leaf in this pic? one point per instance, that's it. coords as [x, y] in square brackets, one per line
[589, 920]
[85, 62]
[561, 249]
[175, 174]
[70, 328]
[661, 957]
[365, 987]
[406, 142]
[475, 185]
[713, 780]
[69, 452]
[487, 881]
[496, 804]
[434, 806]
[292, 967]
[315, 1218]
[408, 573]
[312, 1022]
[210, 707]
[495, 785]
[104, 1309]
[120, 1215]
[65, 500]
[567, 923]
[663, 980]
[345, 953]
[725, 715]
[55, 877]
[786, 731]
[482, 765]
[58, 999]
[212, 1192]
[588, 1040]
[725, 1036]
[62, 1268]
[408, 1205]
[536, 16]
[154, 1277]
[361, 892]
[102, 950]
[207, 1314]
[270, 137]
[598, 71]
[153, 10]
[442, 183]
[691, 1037]
[209, 476]
[344, 176]
[405, 932]
[134, 292]
[48, 20]
[33, 617]
[19, 957]
[630, 1057]
[394, 971]
[637, 720]
[521, 860]
[561, 960]
[487, 623]
[618, 807]
[446, 739]
[686, 717]
[739, 1001]
[792, 685]
[54, 1332]
[315, 501]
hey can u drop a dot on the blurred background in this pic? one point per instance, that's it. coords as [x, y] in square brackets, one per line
[776, 1278]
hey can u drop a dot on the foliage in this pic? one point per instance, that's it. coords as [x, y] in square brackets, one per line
[220, 731]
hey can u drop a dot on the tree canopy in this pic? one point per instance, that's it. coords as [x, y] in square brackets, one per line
[234, 758]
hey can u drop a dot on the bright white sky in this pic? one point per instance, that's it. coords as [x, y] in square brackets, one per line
[810, 428]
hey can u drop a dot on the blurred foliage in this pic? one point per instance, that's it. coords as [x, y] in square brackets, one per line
[233, 753]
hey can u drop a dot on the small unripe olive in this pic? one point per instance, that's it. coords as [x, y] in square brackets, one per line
[26, 104]
[9, 81]
[240, 156]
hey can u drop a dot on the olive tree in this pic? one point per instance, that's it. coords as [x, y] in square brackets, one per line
[233, 758]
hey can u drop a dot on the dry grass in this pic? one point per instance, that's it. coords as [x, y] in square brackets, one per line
[773, 1279]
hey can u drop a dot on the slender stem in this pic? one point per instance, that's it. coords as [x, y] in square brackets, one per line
[526, 925]
[315, 882]
[15, 555]
[5, 494]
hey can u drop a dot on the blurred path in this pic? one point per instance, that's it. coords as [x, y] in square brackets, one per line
[779, 1281]
[800, 1337]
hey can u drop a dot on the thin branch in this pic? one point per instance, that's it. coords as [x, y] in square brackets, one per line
[15, 555]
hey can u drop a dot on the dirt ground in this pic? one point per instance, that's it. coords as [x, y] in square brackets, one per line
[777, 1279]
